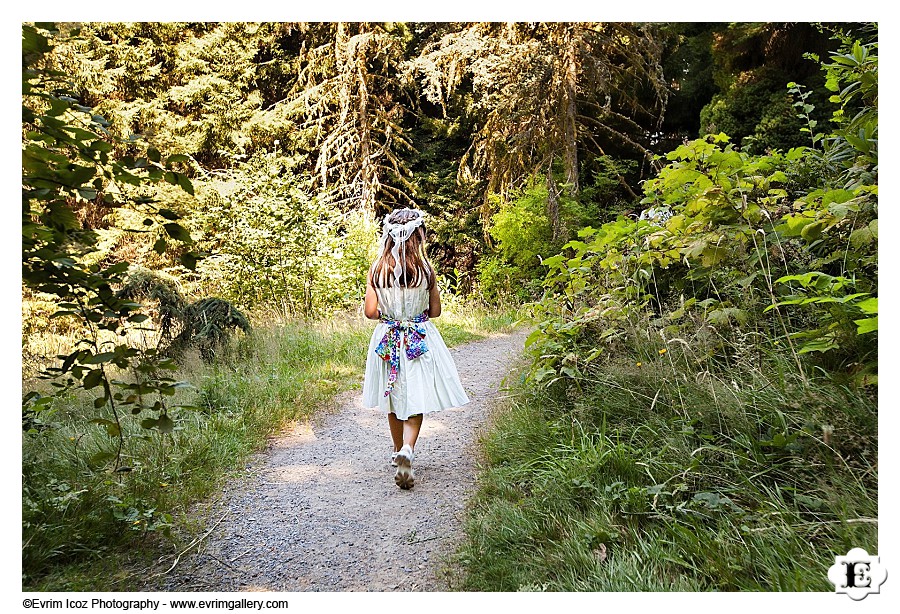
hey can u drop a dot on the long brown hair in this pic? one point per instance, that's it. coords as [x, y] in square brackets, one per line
[418, 267]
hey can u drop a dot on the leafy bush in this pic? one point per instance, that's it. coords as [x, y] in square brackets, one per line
[700, 412]
[525, 236]
[69, 163]
[744, 245]
[274, 243]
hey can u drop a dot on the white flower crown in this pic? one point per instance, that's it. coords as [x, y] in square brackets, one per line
[400, 232]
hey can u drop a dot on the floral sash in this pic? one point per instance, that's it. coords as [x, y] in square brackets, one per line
[410, 333]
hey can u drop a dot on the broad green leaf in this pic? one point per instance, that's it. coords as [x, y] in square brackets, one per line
[60, 215]
[185, 184]
[177, 232]
[543, 373]
[836, 196]
[92, 379]
[865, 235]
[101, 145]
[553, 260]
[101, 458]
[822, 344]
[726, 315]
[869, 306]
[867, 325]
[189, 260]
[97, 359]
[165, 424]
[812, 231]
[176, 158]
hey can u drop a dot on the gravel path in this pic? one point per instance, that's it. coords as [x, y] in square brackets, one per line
[319, 510]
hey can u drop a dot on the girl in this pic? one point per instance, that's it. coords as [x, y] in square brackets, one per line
[409, 371]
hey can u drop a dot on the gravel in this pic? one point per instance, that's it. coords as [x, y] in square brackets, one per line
[319, 510]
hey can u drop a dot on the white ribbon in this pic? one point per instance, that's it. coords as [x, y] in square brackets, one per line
[400, 233]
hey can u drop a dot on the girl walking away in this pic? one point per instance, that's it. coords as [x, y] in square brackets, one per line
[409, 370]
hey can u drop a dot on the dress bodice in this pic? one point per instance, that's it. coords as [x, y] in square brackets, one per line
[400, 303]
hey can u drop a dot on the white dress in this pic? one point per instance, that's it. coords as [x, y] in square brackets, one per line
[424, 384]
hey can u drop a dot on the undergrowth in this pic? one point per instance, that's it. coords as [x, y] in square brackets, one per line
[656, 475]
[87, 527]
[700, 411]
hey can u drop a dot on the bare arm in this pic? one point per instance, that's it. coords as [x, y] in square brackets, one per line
[371, 306]
[434, 302]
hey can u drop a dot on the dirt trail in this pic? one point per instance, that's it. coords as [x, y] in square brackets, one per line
[319, 510]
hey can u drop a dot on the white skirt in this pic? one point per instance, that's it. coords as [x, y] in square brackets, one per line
[425, 384]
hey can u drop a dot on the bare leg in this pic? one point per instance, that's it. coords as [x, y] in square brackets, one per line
[396, 430]
[411, 428]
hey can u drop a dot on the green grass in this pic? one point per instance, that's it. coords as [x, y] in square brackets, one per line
[467, 320]
[661, 477]
[86, 528]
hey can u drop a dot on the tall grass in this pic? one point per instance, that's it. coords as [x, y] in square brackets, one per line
[654, 474]
[85, 527]
[469, 319]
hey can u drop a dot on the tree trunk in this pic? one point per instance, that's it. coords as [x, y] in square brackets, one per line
[570, 92]
[552, 202]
